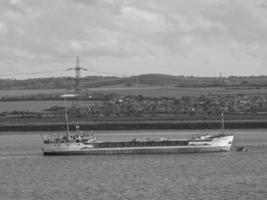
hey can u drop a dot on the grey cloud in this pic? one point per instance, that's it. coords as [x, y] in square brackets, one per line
[174, 31]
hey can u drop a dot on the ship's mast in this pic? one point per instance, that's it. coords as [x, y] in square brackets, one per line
[66, 117]
[222, 120]
[65, 96]
[78, 74]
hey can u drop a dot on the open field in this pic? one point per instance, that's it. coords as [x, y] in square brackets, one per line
[177, 92]
[29, 106]
[14, 93]
[148, 91]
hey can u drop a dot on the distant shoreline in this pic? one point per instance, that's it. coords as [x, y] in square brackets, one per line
[147, 125]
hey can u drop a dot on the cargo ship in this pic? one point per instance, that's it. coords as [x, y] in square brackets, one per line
[87, 144]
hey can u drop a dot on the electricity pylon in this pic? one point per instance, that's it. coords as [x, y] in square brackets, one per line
[77, 69]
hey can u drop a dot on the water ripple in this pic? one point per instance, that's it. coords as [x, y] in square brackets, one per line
[26, 174]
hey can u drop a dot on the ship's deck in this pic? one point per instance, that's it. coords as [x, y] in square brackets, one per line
[117, 144]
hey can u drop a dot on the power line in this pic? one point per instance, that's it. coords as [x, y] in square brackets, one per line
[107, 73]
[77, 68]
[29, 73]
[54, 71]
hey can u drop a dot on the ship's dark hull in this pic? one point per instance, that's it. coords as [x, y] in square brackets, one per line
[159, 150]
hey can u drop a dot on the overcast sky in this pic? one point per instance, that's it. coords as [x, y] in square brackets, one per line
[129, 37]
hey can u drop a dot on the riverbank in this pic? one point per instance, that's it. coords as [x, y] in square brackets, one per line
[133, 125]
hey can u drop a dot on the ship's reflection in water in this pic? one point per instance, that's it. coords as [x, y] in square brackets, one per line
[26, 174]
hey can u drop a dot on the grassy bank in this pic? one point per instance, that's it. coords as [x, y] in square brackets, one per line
[134, 125]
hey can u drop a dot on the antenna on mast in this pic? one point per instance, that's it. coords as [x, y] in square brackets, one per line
[77, 69]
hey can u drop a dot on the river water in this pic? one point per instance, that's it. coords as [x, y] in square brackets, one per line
[26, 174]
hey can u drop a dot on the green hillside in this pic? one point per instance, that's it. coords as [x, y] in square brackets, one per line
[145, 80]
